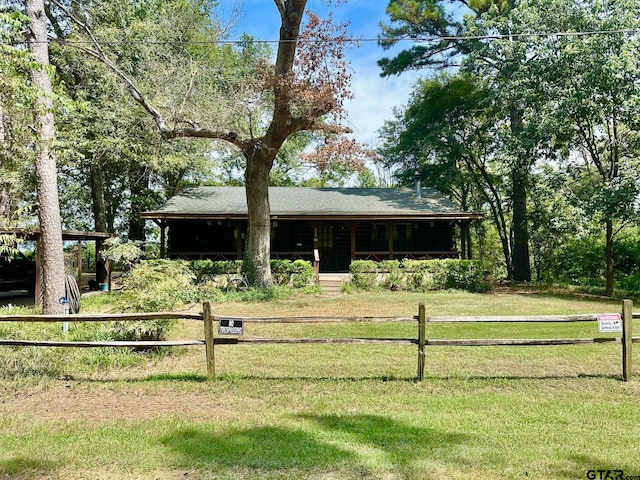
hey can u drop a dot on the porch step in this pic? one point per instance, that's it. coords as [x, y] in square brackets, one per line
[332, 282]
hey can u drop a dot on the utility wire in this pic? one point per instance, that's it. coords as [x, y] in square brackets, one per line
[426, 39]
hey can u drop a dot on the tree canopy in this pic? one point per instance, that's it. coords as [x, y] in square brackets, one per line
[558, 81]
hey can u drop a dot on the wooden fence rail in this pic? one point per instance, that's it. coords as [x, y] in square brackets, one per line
[103, 317]
[211, 340]
[626, 339]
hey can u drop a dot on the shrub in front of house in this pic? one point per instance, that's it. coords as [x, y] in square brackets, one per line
[364, 274]
[418, 275]
[287, 273]
[296, 274]
[152, 286]
[205, 269]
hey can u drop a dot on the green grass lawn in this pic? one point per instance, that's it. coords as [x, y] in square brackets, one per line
[341, 411]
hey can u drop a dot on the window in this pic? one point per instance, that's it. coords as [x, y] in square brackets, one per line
[404, 231]
[378, 231]
[325, 236]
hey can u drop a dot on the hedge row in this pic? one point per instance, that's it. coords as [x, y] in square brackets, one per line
[296, 274]
[418, 275]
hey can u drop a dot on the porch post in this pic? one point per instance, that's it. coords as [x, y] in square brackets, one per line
[238, 228]
[163, 226]
[80, 263]
[391, 228]
[316, 252]
[353, 226]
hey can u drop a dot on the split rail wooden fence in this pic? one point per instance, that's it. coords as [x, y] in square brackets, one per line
[211, 340]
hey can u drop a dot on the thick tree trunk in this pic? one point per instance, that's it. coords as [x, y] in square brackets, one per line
[520, 252]
[99, 214]
[519, 179]
[258, 253]
[608, 256]
[45, 165]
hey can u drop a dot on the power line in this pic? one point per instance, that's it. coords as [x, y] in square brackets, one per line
[426, 39]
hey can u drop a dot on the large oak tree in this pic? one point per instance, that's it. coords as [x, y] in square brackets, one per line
[304, 90]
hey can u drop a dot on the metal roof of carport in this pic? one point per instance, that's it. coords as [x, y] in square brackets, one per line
[77, 235]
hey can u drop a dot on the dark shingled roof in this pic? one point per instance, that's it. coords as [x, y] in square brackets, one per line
[303, 202]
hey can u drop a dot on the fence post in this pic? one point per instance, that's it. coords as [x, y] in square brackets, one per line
[627, 334]
[422, 330]
[208, 340]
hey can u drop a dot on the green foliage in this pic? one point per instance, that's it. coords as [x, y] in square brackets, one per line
[626, 249]
[156, 286]
[38, 363]
[363, 274]
[205, 268]
[121, 253]
[212, 279]
[152, 286]
[579, 261]
[418, 275]
[297, 274]
[629, 282]
[132, 331]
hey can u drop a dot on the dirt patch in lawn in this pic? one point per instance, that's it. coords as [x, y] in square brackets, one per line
[122, 396]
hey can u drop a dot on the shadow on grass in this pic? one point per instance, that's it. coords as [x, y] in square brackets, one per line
[262, 448]
[199, 378]
[401, 445]
[337, 443]
[380, 378]
[559, 292]
[175, 377]
[22, 467]
[516, 378]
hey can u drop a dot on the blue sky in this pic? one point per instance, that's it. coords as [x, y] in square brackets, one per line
[375, 97]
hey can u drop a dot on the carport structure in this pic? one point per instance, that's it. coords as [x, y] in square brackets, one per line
[35, 234]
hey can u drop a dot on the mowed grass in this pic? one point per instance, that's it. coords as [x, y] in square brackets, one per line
[343, 411]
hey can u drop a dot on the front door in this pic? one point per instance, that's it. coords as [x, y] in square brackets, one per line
[326, 248]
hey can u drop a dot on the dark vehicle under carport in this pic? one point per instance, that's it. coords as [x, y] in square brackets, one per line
[17, 272]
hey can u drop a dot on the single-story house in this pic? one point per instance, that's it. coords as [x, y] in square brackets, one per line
[337, 225]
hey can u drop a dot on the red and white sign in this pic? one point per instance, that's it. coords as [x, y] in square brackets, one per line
[609, 323]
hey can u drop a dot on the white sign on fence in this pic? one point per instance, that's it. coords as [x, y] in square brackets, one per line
[609, 323]
[230, 326]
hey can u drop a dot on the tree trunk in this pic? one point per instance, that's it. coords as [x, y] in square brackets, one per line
[99, 214]
[519, 178]
[45, 165]
[258, 253]
[608, 256]
[139, 185]
[5, 197]
[463, 241]
[520, 252]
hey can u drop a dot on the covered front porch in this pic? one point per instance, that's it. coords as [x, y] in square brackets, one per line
[333, 245]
